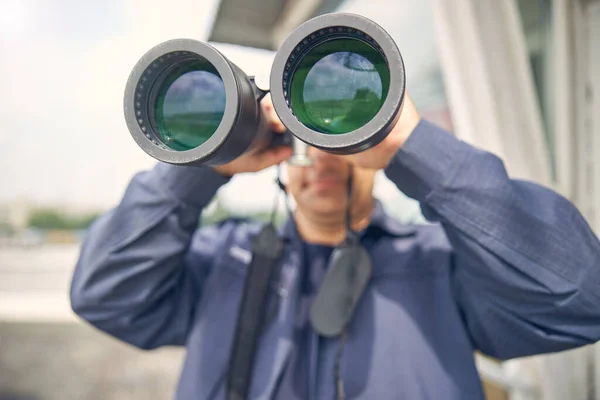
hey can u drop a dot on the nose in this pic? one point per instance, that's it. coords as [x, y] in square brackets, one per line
[320, 156]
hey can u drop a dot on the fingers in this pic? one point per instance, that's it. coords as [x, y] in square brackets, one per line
[275, 123]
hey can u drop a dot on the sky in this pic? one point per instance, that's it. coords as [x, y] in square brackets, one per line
[63, 68]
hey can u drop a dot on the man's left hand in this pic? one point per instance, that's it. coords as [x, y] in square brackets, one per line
[378, 157]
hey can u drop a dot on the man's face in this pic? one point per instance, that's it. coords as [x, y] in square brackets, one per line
[322, 188]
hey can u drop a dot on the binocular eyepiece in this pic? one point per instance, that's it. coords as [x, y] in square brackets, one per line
[337, 83]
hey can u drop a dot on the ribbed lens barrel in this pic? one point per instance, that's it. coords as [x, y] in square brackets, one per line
[190, 105]
[186, 104]
[339, 86]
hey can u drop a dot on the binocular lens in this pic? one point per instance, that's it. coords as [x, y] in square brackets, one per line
[339, 86]
[186, 104]
[190, 104]
[338, 83]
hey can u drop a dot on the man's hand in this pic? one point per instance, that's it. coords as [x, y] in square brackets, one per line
[379, 157]
[256, 161]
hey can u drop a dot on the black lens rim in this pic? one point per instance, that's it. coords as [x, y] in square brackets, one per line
[143, 84]
[309, 35]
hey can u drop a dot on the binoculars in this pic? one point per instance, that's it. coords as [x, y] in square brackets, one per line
[337, 83]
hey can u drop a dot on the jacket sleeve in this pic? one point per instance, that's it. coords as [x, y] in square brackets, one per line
[525, 264]
[135, 278]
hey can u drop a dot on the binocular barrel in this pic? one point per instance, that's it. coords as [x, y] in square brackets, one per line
[185, 103]
[337, 83]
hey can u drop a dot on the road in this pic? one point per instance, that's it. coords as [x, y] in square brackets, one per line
[34, 283]
[46, 353]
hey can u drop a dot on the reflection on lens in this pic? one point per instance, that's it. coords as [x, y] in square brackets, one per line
[339, 86]
[190, 105]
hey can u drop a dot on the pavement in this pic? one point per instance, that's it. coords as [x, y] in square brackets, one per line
[73, 361]
[47, 353]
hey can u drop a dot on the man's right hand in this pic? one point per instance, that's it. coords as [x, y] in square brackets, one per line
[256, 161]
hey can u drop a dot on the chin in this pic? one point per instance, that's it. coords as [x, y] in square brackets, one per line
[329, 206]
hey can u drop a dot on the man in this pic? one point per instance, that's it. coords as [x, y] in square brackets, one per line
[508, 268]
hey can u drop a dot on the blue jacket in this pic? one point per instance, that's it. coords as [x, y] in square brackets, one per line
[508, 268]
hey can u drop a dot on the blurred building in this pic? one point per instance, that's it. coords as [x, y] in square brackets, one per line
[264, 24]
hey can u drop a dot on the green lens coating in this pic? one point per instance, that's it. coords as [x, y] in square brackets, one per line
[190, 105]
[339, 86]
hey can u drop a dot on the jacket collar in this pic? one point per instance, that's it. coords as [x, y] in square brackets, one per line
[379, 221]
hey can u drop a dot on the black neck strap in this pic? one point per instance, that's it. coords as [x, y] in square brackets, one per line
[351, 235]
[267, 249]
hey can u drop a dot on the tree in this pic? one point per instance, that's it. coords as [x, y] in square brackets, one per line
[50, 219]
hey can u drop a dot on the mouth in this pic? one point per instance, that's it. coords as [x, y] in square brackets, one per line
[325, 183]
